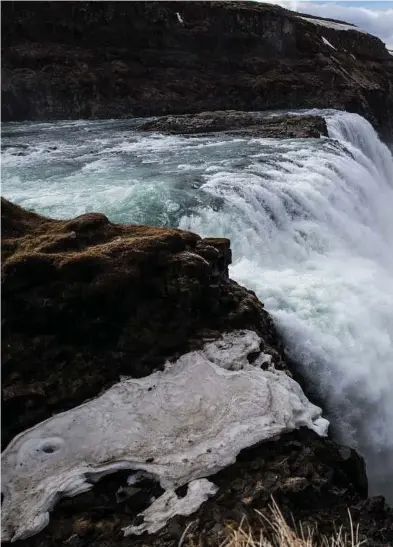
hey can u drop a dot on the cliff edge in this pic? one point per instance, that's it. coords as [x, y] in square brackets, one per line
[85, 302]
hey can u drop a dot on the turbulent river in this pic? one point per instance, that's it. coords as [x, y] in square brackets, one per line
[311, 226]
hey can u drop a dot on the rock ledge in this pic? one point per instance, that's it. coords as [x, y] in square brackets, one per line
[241, 123]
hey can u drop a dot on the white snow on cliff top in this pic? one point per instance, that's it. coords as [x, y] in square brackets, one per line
[332, 24]
[179, 425]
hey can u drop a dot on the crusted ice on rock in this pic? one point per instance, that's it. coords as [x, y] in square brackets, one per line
[231, 350]
[169, 504]
[180, 425]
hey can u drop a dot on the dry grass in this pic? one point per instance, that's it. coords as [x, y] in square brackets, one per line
[276, 532]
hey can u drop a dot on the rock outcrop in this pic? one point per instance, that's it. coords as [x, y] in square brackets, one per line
[241, 123]
[312, 480]
[116, 59]
[85, 301]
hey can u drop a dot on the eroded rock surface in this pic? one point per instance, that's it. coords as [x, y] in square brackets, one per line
[86, 301]
[311, 478]
[241, 123]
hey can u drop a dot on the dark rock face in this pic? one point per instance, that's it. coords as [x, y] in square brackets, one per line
[244, 123]
[310, 478]
[116, 59]
[85, 301]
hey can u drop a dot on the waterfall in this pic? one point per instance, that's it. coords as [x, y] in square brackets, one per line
[312, 234]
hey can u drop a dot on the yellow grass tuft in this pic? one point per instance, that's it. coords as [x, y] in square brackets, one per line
[275, 532]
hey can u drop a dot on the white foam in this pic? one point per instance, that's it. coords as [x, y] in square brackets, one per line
[180, 425]
[311, 232]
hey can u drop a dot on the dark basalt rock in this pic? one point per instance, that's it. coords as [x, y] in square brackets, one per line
[310, 478]
[85, 301]
[241, 123]
[123, 59]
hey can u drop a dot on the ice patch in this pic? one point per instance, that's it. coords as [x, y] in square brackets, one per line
[332, 24]
[326, 42]
[180, 425]
[169, 504]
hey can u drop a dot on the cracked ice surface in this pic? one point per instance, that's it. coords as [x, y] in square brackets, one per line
[180, 425]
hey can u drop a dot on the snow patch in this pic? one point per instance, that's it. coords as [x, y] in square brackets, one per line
[326, 42]
[179, 17]
[179, 425]
[169, 504]
[332, 24]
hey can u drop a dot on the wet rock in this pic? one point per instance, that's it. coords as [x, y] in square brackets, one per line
[251, 124]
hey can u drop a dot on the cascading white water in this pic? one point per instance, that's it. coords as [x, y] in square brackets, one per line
[315, 242]
[311, 228]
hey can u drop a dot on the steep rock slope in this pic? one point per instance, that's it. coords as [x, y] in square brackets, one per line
[116, 59]
[85, 301]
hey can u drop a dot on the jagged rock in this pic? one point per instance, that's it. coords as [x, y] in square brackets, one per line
[109, 60]
[86, 301]
[243, 123]
[307, 476]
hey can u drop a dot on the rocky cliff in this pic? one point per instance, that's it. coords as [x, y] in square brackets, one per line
[86, 301]
[116, 59]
